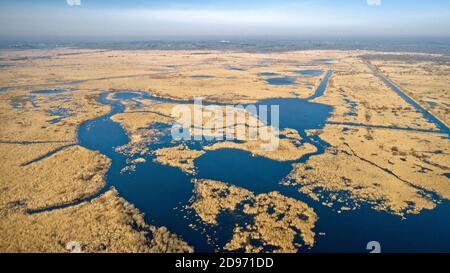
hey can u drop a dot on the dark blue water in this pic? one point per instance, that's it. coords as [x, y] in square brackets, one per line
[322, 86]
[353, 106]
[281, 81]
[236, 68]
[155, 189]
[32, 100]
[345, 232]
[431, 103]
[238, 168]
[327, 61]
[160, 191]
[300, 114]
[16, 105]
[202, 77]
[268, 74]
[58, 112]
[20, 103]
[309, 72]
[49, 91]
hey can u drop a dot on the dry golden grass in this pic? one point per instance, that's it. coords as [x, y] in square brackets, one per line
[70, 174]
[285, 151]
[179, 156]
[167, 74]
[375, 103]
[391, 169]
[106, 224]
[33, 123]
[426, 82]
[278, 220]
[211, 197]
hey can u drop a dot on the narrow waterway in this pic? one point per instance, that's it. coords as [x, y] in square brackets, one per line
[425, 113]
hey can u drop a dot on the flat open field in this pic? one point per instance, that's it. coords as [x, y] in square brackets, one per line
[87, 155]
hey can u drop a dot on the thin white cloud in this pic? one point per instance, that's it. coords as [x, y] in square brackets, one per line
[300, 21]
[374, 2]
[74, 2]
[216, 17]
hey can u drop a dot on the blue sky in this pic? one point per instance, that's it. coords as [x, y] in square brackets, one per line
[294, 18]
